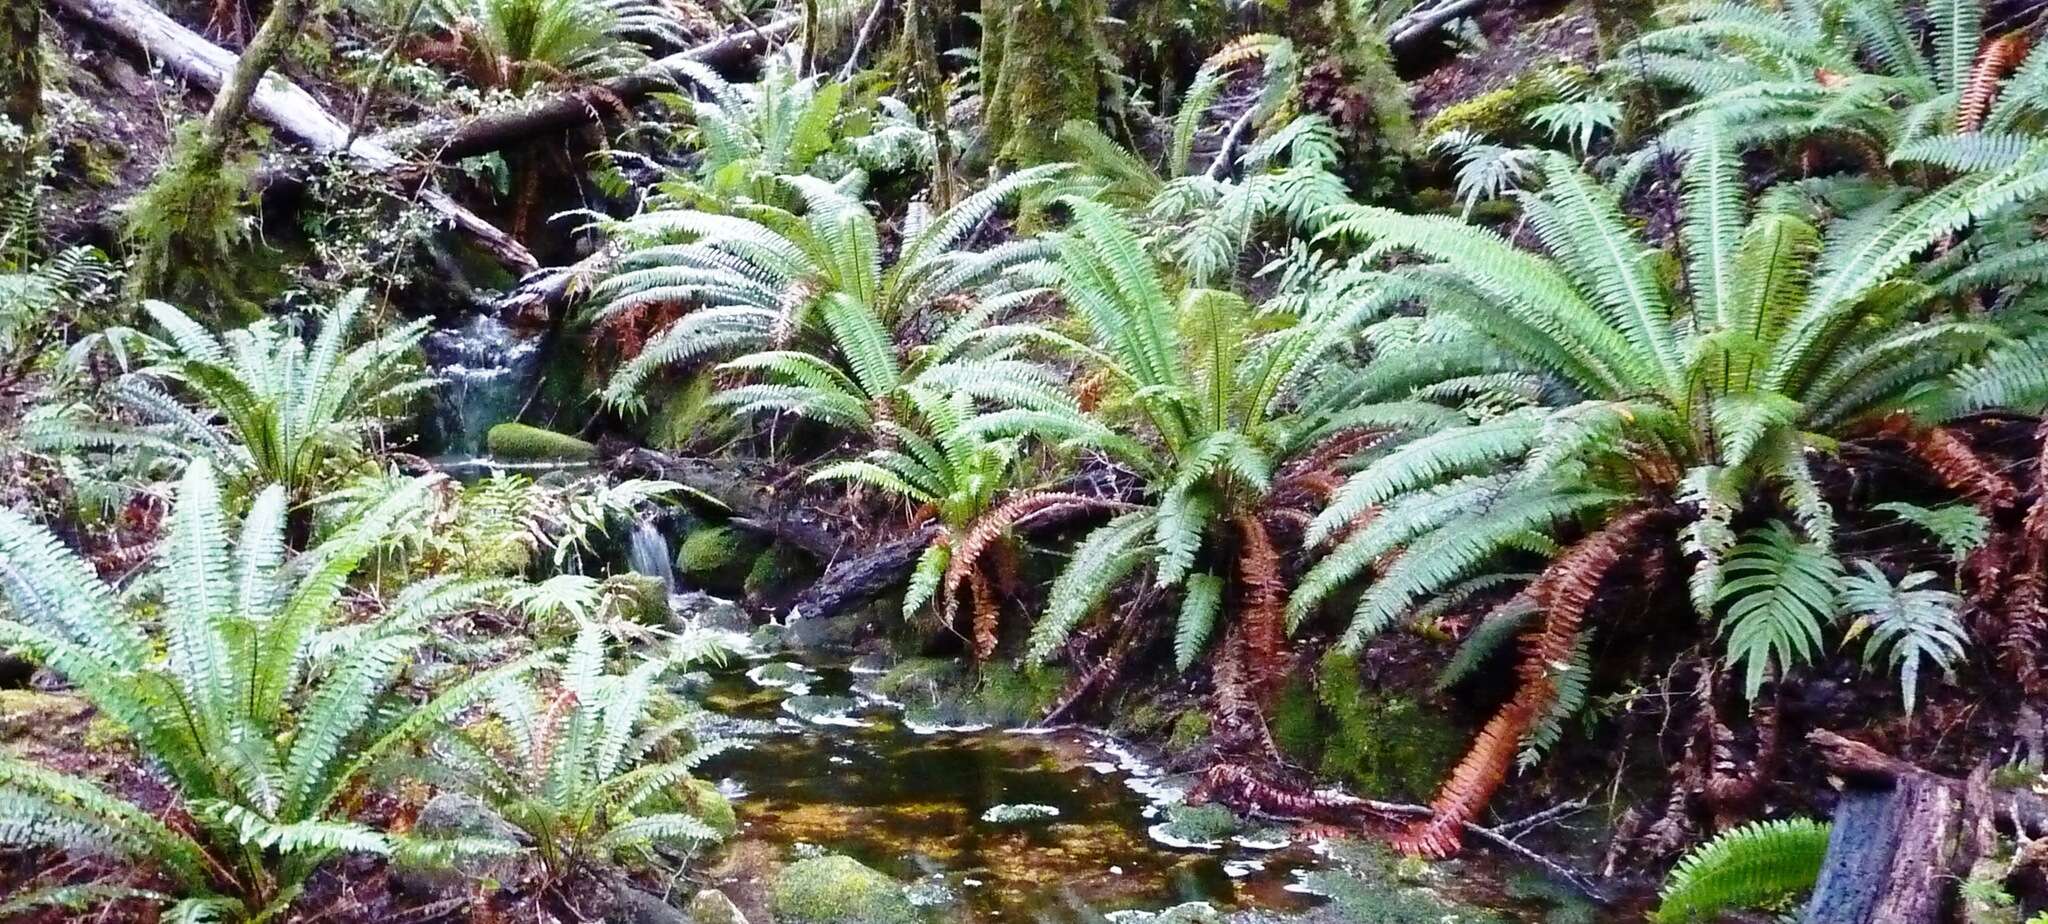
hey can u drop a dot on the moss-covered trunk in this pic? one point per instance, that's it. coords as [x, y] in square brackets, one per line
[1038, 60]
[21, 77]
[186, 227]
[1349, 77]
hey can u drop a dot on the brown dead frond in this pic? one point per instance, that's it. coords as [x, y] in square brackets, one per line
[1562, 594]
[1264, 602]
[985, 612]
[993, 524]
[1999, 57]
[1955, 462]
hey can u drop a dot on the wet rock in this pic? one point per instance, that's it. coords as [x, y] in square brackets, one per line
[1019, 813]
[712, 907]
[784, 675]
[452, 815]
[833, 633]
[630, 905]
[839, 890]
[768, 639]
[704, 611]
[824, 710]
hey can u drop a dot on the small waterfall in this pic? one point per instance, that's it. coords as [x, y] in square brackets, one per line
[486, 371]
[647, 553]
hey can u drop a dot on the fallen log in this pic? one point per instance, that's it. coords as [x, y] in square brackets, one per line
[454, 139]
[283, 104]
[853, 582]
[1903, 835]
[742, 491]
[1407, 33]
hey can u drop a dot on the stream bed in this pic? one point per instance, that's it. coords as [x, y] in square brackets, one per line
[996, 825]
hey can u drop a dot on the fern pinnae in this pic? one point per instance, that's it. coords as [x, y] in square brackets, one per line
[1746, 867]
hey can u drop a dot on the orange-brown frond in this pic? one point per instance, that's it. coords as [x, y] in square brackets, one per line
[1239, 50]
[1999, 57]
[1954, 461]
[1562, 594]
[991, 526]
[985, 614]
[1265, 600]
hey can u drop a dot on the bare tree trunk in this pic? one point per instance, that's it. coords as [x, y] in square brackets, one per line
[231, 104]
[931, 97]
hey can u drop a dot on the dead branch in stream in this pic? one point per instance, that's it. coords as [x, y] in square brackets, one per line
[1245, 790]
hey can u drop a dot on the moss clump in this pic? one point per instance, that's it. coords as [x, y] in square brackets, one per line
[1377, 742]
[717, 557]
[703, 800]
[187, 233]
[839, 890]
[519, 442]
[1190, 729]
[1199, 824]
[779, 570]
[1012, 696]
[1500, 114]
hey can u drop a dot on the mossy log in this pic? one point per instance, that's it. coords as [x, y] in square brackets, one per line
[454, 139]
[522, 443]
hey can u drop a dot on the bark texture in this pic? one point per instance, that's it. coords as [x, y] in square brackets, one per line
[21, 76]
[1039, 69]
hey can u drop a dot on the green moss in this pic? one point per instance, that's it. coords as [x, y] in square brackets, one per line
[687, 418]
[1190, 729]
[1296, 720]
[1500, 114]
[717, 557]
[780, 569]
[1377, 742]
[1010, 696]
[839, 890]
[519, 442]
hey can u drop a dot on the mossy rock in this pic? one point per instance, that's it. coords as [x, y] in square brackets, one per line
[1373, 740]
[1010, 695]
[1190, 729]
[522, 443]
[717, 557]
[702, 799]
[839, 890]
[779, 571]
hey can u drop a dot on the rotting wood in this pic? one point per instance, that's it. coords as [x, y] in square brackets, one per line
[285, 105]
[1903, 836]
